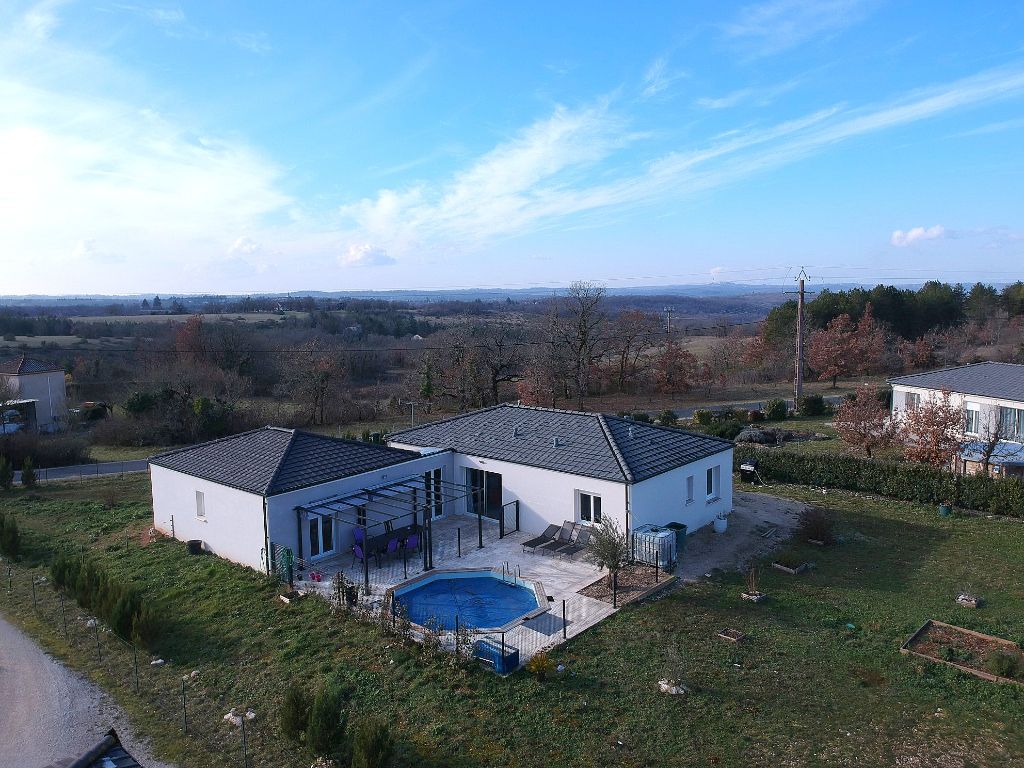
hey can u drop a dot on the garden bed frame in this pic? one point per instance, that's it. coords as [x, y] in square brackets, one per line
[906, 649]
[791, 571]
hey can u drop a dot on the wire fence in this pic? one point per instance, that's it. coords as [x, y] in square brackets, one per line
[191, 699]
[82, 472]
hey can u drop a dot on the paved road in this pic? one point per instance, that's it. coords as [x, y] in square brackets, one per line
[80, 471]
[48, 712]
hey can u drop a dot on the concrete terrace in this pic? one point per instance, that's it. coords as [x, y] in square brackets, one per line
[562, 578]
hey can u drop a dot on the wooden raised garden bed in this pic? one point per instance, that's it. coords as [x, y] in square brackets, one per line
[732, 635]
[963, 649]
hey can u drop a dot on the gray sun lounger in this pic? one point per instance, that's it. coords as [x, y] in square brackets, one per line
[563, 540]
[581, 543]
[545, 538]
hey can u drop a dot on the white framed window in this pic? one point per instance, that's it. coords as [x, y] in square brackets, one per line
[973, 420]
[200, 505]
[712, 481]
[689, 489]
[589, 507]
[912, 400]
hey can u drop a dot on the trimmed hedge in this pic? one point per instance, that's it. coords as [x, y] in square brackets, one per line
[898, 480]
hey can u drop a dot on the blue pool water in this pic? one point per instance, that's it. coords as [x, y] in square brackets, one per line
[478, 601]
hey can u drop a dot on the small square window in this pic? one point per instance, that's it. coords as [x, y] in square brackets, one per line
[200, 505]
[689, 489]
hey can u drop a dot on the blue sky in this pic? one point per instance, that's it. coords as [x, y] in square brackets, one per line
[232, 147]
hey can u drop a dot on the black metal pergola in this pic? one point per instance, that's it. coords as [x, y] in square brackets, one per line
[378, 509]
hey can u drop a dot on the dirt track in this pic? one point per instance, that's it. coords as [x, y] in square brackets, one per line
[48, 712]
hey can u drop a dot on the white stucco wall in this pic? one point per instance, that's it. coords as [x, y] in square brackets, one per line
[545, 497]
[987, 406]
[662, 498]
[233, 526]
[283, 525]
[49, 389]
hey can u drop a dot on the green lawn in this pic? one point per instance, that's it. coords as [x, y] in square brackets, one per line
[805, 689]
[123, 453]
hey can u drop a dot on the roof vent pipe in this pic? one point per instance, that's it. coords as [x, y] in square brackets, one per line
[515, 431]
[630, 432]
[554, 442]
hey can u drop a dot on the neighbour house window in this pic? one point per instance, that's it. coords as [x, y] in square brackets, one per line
[1011, 422]
[712, 482]
[200, 505]
[973, 425]
[590, 508]
[689, 489]
[912, 400]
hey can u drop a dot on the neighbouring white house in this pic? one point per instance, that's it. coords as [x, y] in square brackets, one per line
[585, 467]
[249, 495]
[32, 393]
[992, 396]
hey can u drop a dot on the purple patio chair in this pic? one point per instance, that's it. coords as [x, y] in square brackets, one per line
[357, 534]
[357, 554]
[392, 547]
[412, 541]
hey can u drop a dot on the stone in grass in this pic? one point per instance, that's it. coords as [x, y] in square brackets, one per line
[969, 601]
[157, 663]
[673, 687]
[235, 719]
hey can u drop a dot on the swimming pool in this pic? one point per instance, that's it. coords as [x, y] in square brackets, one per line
[478, 598]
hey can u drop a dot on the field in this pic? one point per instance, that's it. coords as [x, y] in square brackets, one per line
[41, 342]
[819, 681]
[244, 317]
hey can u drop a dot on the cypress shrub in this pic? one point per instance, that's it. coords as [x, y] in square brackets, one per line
[668, 418]
[702, 417]
[295, 712]
[28, 473]
[812, 405]
[898, 480]
[775, 410]
[325, 733]
[6, 474]
[10, 537]
[372, 745]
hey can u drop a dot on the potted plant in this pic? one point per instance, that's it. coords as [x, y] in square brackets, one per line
[721, 522]
[753, 593]
[816, 527]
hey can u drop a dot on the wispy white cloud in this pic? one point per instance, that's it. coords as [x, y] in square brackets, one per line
[990, 128]
[569, 165]
[41, 18]
[658, 78]
[365, 255]
[901, 238]
[254, 42]
[760, 96]
[777, 25]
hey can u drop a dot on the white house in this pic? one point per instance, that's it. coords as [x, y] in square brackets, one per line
[569, 465]
[992, 396]
[36, 391]
[241, 494]
[249, 495]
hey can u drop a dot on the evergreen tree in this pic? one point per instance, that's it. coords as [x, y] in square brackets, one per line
[28, 473]
[6, 474]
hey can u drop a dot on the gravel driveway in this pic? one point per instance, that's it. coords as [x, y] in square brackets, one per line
[48, 712]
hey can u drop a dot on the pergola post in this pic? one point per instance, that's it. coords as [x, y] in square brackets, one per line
[366, 561]
[480, 524]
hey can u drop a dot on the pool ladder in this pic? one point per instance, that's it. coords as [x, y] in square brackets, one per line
[506, 568]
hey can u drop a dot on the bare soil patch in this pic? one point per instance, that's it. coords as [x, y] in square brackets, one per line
[635, 580]
[962, 648]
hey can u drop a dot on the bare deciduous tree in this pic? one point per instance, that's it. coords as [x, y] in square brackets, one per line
[863, 421]
[580, 330]
[933, 431]
[633, 338]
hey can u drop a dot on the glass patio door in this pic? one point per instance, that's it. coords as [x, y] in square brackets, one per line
[321, 536]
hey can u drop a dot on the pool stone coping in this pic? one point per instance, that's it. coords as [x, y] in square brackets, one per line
[538, 591]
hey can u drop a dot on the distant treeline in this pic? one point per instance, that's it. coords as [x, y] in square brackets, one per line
[908, 313]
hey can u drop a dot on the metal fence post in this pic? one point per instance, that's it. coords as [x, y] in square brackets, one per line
[34, 604]
[458, 537]
[657, 565]
[63, 614]
[517, 515]
[245, 748]
[99, 652]
[565, 630]
[10, 580]
[135, 653]
[480, 530]
[615, 590]
[184, 709]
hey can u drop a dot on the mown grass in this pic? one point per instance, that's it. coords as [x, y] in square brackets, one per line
[804, 689]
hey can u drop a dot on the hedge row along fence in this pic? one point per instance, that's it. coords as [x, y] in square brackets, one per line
[897, 480]
[120, 606]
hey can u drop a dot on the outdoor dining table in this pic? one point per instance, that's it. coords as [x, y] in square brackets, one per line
[378, 545]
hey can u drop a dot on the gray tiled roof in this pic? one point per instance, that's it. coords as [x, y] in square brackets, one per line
[21, 365]
[998, 380]
[588, 444]
[272, 460]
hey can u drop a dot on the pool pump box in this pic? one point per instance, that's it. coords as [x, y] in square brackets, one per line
[655, 544]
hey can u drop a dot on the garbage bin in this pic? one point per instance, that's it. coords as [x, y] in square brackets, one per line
[680, 529]
[748, 472]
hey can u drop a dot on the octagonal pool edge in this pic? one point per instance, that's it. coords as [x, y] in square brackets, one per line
[438, 574]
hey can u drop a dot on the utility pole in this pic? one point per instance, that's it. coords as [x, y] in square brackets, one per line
[668, 319]
[412, 407]
[799, 380]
